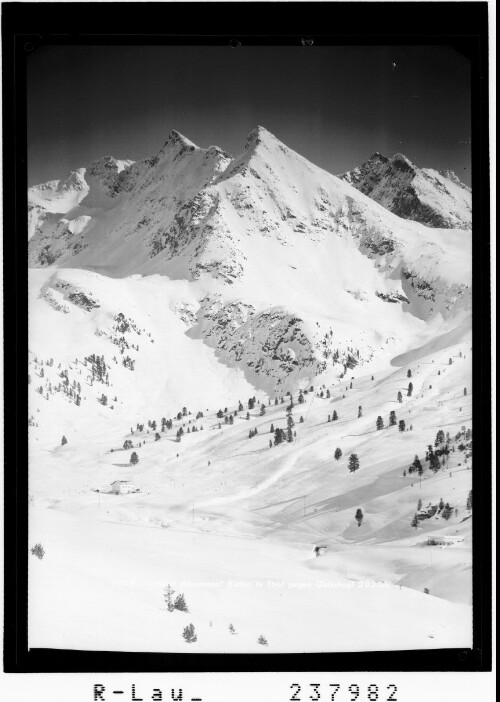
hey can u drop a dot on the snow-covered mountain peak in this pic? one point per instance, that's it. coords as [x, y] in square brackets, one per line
[178, 142]
[74, 181]
[434, 198]
[107, 165]
[260, 136]
[401, 162]
[377, 157]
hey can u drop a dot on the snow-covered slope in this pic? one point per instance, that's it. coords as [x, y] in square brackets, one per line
[229, 520]
[434, 198]
[198, 292]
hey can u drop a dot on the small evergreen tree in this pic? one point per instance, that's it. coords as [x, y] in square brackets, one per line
[402, 425]
[360, 411]
[168, 593]
[353, 464]
[380, 423]
[447, 511]
[64, 440]
[180, 603]
[410, 389]
[262, 640]
[38, 551]
[469, 500]
[359, 516]
[419, 505]
[134, 458]
[262, 410]
[434, 463]
[414, 521]
[338, 454]
[439, 438]
[400, 396]
[392, 419]
[189, 634]
[232, 630]
[408, 375]
[335, 416]
[416, 466]
[465, 391]
[271, 430]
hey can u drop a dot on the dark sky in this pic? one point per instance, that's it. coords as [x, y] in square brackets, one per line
[335, 106]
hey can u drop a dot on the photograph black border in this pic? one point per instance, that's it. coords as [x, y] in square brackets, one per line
[25, 27]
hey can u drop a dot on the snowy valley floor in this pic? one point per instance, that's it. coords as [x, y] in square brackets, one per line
[236, 535]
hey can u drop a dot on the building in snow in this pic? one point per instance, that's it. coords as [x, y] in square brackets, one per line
[443, 540]
[123, 487]
[320, 550]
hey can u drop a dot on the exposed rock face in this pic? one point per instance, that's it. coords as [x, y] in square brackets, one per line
[434, 198]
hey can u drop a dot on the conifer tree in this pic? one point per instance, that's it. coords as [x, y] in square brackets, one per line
[64, 440]
[392, 419]
[335, 416]
[469, 500]
[168, 593]
[359, 516]
[262, 410]
[414, 521]
[379, 423]
[439, 438]
[262, 640]
[434, 463]
[353, 463]
[180, 603]
[134, 458]
[416, 465]
[338, 454]
[402, 425]
[360, 411]
[400, 396]
[408, 375]
[189, 634]
[272, 429]
[447, 511]
[419, 505]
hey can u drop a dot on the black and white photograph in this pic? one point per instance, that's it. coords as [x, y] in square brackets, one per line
[250, 349]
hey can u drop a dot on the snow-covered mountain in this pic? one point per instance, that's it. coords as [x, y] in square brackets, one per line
[267, 240]
[434, 198]
[187, 306]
